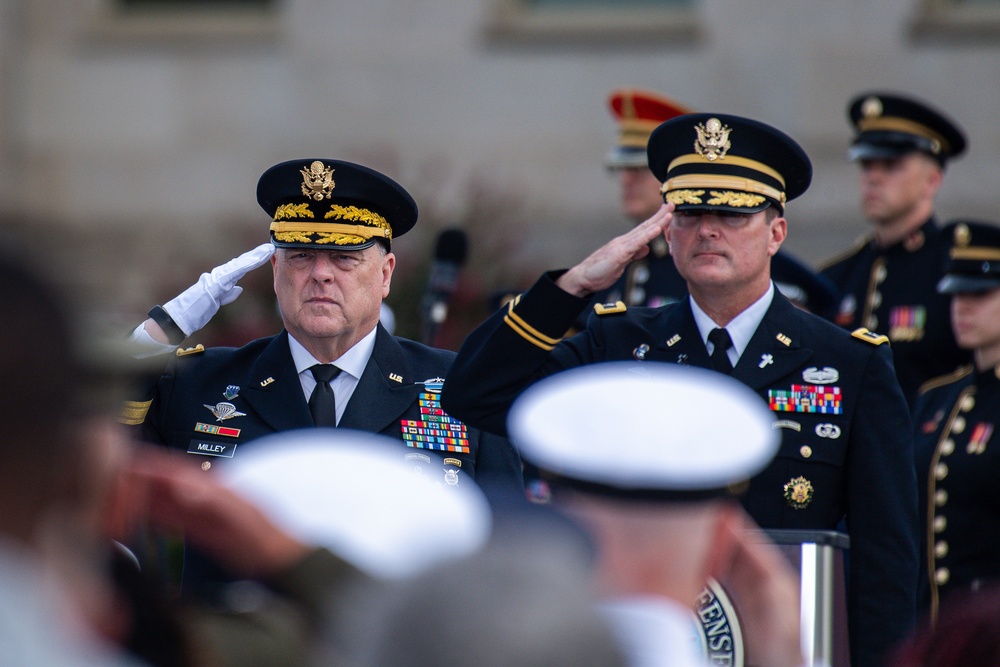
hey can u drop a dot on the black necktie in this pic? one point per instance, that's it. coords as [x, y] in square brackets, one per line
[322, 404]
[722, 342]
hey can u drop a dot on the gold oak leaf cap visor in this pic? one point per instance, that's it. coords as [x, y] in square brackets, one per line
[332, 204]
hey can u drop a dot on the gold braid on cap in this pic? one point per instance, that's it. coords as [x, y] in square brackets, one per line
[682, 196]
[737, 199]
[373, 225]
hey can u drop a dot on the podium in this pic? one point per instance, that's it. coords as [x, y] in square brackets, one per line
[818, 557]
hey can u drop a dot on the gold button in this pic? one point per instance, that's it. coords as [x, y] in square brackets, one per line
[968, 403]
[872, 323]
[880, 273]
[940, 524]
[806, 451]
[941, 471]
[942, 576]
[940, 497]
[941, 549]
[876, 299]
[958, 425]
[206, 465]
[947, 447]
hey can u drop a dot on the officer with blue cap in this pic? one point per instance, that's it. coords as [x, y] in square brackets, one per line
[728, 182]
[331, 226]
[888, 279]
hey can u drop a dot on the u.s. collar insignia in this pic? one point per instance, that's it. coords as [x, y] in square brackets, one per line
[676, 338]
[317, 182]
[713, 139]
[224, 411]
[231, 392]
[825, 375]
[799, 493]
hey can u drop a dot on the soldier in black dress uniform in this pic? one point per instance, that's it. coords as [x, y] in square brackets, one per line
[957, 459]
[333, 364]
[846, 436]
[888, 279]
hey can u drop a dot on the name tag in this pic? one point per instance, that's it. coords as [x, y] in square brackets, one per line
[204, 448]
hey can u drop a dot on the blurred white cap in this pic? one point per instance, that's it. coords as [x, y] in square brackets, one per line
[351, 492]
[644, 430]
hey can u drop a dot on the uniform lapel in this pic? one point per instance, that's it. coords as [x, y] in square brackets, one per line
[775, 350]
[386, 389]
[682, 343]
[274, 390]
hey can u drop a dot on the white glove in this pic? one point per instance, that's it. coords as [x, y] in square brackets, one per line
[194, 307]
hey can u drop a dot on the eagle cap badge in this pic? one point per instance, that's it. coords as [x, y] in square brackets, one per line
[713, 139]
[317, 181]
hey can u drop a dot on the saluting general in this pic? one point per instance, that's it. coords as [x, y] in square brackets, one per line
[846, 449]
[333, 365]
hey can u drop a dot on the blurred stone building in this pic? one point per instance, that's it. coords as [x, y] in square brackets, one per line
[132, 132]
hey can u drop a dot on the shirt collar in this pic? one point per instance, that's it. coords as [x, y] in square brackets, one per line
[352, 362]
[742, 327]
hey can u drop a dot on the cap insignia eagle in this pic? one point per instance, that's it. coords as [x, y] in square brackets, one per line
[317, 181]
[713, 139]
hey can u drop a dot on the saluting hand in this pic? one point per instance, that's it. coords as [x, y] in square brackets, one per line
[606, 264]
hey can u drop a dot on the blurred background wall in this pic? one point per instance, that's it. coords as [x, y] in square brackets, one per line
[132, 132]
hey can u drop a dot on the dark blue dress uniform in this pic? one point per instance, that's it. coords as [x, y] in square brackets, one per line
[957, 457]
[892, 290]
[958, 461]
[846, 445]
[214, 402]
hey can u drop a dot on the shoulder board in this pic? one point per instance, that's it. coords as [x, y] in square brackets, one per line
[134, 412]
[946, 379]
[870, 336]
[610, 308]
[183, 352]
[856, 247]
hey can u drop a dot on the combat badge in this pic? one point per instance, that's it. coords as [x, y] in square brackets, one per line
[799, 493]
[825, 375]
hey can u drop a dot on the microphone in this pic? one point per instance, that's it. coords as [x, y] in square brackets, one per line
[449, 256]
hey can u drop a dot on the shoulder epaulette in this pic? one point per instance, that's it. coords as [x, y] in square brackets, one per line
[870, 336]
[856, 247]
[610, 308]
[186, 351]
[134, 412]
[947, 378]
